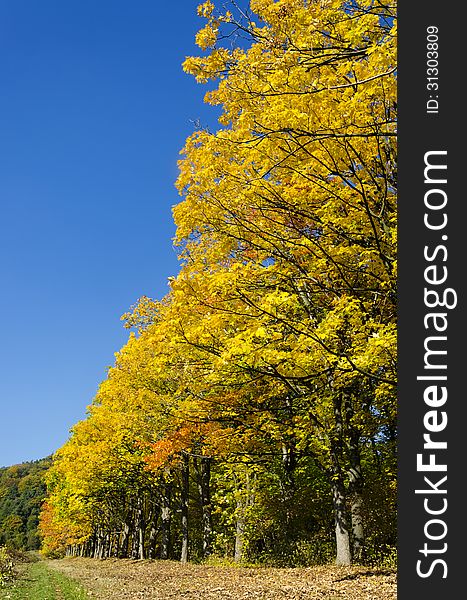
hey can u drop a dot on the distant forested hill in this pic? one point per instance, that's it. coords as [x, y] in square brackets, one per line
[22, 490]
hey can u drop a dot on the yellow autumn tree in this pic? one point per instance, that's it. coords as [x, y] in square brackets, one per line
[101, 468]
[288, 224]
[277, 341]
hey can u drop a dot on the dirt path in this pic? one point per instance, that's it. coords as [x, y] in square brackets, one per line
[162, 580]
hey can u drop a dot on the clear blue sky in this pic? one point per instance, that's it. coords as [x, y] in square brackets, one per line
[94, 108]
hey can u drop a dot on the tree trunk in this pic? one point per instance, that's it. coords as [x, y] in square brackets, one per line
[343, 554]
[92, 545]
[184, 506]
[165, 520]
[243, 502]
[116, 544]
[289, 463]
[124, 546]
[134, 541]
[100, 543]
[107, 545]
[239, 531]
[141, 555]
[204, 486]
[137, 551]
[356, 499]
[152, 538]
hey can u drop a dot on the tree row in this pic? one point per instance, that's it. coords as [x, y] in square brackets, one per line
[252, 413]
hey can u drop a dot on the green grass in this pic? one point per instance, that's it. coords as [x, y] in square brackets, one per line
[38, 582]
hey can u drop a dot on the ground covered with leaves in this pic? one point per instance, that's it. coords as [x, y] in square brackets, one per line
[113, 579]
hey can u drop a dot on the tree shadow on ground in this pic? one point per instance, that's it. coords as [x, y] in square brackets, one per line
[366, 574]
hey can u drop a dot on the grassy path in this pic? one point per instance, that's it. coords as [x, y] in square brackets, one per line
[38, 582]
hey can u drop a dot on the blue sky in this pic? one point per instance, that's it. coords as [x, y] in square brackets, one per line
[94, 108]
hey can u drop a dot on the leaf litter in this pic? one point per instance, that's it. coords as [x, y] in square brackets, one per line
[125, 579]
